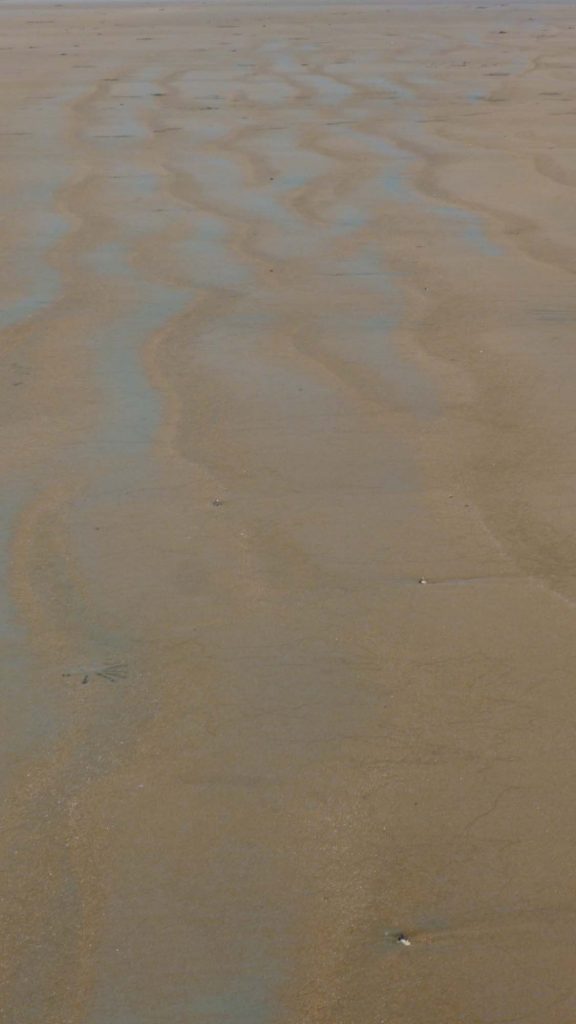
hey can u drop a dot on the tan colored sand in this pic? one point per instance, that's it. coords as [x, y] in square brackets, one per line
[287, 570]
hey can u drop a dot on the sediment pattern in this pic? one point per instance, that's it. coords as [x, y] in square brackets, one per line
[287, 556]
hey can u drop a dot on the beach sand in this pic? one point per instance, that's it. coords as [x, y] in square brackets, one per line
[288, 548]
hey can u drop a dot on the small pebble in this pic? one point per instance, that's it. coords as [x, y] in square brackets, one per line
[217, 502]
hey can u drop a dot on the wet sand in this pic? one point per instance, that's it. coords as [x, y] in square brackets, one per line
[288, 558]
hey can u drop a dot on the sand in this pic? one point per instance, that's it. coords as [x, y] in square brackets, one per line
[288, 557]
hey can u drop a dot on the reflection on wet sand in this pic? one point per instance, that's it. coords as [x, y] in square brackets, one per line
[286, 560]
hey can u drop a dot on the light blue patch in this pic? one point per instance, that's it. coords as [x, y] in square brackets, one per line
[365, 262]
[120, 127]
[370, 142]
[241, 1001]
[289, 182]
[31, 263]
[369, 269]
[329, 90]
[14, 498]
[47, 292]
[30, 712]
[116, 120]
[473, 229]
[211, 229]
[394, 183]
[270, 92]
[348, 219]
[223, 179]
[209, 264]
[426, 80]
[283, 62]
[382, 322]
[144, 184]
[33, 718]
[130, 408]
[108, 259]
[386, 85]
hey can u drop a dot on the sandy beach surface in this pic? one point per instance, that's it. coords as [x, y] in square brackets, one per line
[288, 490]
